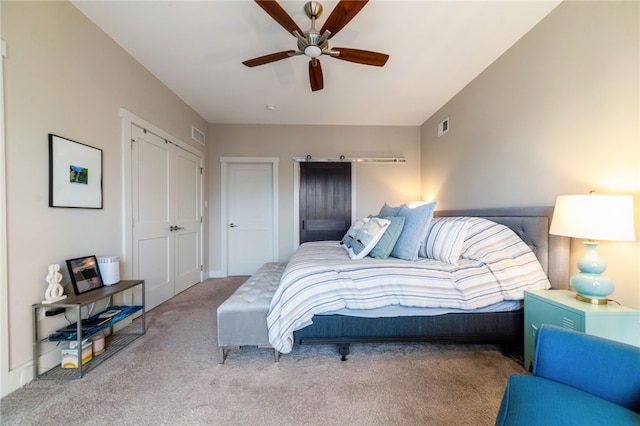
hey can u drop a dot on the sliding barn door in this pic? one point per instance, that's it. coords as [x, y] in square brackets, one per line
[325, 201]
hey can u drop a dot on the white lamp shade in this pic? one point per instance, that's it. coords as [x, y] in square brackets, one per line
[594, 217]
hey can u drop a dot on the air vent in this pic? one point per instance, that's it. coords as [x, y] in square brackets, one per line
[443, 127]
[197, 135]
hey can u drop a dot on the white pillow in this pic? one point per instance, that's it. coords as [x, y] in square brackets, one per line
[367, 237]
[445, 240]
[352, 232]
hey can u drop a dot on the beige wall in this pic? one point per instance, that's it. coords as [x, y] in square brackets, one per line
[65, 76]
[556, 114]
[375, 183]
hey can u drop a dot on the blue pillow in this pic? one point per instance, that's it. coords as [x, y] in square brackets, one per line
[414, 231]
[387, 210]
[389, 239]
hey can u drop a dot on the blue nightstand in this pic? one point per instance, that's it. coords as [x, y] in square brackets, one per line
[560, 307]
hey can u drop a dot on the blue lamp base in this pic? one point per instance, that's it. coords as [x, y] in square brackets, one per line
[590, 284]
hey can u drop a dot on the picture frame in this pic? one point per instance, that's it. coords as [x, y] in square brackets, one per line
[85, 274]
[75, 174]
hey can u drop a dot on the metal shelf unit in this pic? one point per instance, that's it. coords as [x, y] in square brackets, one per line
[113, 343]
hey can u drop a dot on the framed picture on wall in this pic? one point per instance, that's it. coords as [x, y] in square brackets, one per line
[85, 274]
[75, 174]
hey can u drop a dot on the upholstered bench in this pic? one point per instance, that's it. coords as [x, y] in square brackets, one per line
[242, 318]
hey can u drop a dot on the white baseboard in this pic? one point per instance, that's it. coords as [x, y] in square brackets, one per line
[17, 378]
[218, 273]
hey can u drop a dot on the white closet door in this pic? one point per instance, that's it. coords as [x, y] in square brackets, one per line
[152, 194]
[187, 178]
[166, 211]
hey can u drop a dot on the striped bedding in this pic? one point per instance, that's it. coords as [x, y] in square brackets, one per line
[495, 265]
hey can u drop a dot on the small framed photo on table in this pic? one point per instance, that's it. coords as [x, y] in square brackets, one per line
[75, 174]
[85, 274]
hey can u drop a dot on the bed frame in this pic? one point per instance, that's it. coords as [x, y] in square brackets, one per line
[507, 328]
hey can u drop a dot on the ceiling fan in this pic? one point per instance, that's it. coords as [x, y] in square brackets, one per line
[314, 43]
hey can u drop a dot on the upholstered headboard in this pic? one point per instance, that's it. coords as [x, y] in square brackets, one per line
[532, 225]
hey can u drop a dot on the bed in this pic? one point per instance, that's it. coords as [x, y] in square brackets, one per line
[485, 319]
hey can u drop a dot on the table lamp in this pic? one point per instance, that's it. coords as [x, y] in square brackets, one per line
[593, 217]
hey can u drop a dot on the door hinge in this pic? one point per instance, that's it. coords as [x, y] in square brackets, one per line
[200, 219]
[201, 169]
[201, 268]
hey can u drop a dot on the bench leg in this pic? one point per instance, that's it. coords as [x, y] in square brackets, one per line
[223, 352]
[276, 355]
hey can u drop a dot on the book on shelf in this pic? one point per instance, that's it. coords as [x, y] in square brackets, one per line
[110, 313]
[85, 324]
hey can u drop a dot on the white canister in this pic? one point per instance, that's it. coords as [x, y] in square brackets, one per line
[97, 343]
[109, 269]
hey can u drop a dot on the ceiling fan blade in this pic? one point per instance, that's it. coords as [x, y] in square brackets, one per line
[279, 15]
[315, 75]
[341, 15]
[269, 58]
[358, 56]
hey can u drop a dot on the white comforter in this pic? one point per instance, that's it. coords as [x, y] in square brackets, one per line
[495, 265]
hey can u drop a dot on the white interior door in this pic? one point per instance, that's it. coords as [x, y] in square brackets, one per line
[250, 216]
[152, 192]
[166, 211]
[188, 219]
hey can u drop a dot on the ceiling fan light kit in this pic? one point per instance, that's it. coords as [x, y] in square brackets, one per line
[313, 43]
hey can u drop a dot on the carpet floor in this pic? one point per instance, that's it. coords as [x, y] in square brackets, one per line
[171, 376]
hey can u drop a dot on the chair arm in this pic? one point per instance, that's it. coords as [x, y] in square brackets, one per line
[602, 367]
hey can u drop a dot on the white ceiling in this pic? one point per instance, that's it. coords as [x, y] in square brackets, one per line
[435, 47]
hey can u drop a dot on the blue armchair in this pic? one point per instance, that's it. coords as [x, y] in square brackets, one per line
[578, 379]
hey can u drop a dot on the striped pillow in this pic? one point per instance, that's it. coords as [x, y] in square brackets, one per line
[445, 240]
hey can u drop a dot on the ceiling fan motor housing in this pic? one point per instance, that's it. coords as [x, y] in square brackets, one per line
[311, 47]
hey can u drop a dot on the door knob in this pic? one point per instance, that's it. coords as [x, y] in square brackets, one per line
[233, 225]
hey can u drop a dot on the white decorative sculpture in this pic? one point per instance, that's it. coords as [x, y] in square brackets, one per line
[54, 290]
